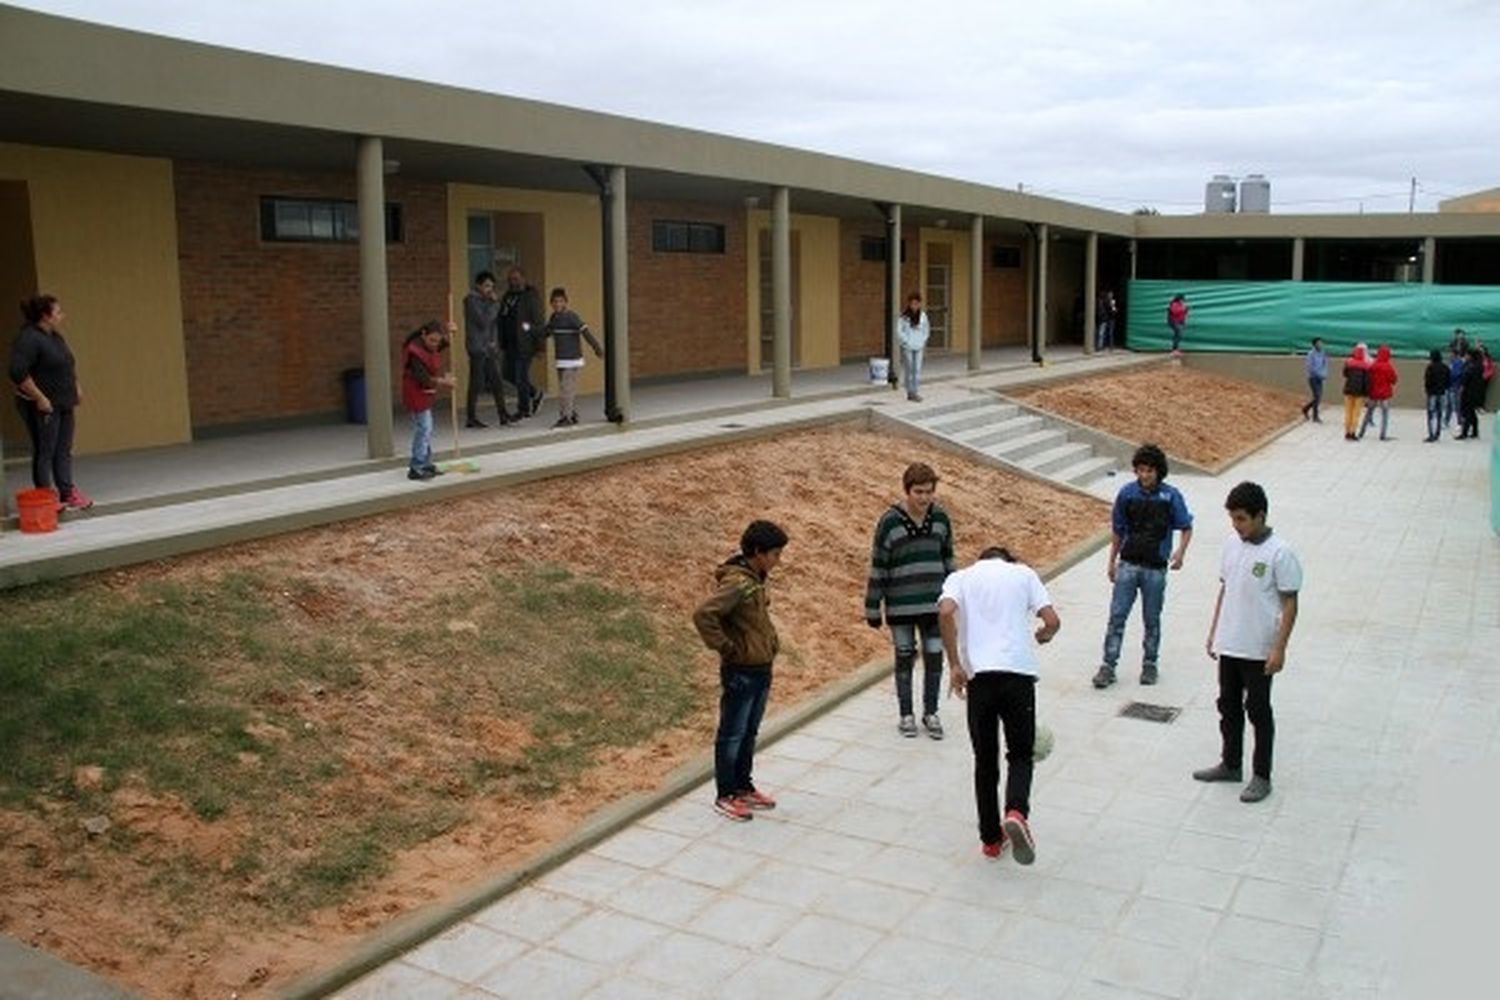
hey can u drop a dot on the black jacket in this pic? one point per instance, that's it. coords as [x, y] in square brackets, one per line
[520, 310]
[45, 357]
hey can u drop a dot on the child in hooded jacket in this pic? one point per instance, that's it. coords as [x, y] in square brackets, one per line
[1356, 388]
[1383, 380]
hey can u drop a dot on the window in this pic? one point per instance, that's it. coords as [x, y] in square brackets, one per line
[1005, 256]
[319, 220]
[669, 236]
[873, 248]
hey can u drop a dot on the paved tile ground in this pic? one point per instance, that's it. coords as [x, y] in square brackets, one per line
[867, 881]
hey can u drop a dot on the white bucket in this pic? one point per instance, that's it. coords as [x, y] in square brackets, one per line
[880, 370]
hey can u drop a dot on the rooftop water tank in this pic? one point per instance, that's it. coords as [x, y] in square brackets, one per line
[1218, 195]
[1255, 194]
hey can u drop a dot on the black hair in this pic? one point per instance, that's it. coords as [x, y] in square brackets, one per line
[558, 292]
[1150, 454]
[1435, 355]
[761, 536]
[431, 326]
[1316, 341]
[1248, 497]
[38, 308]
[483, 276]
[997, 552]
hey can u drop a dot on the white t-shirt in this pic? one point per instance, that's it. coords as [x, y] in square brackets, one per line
[1255, 577]
[997, 603]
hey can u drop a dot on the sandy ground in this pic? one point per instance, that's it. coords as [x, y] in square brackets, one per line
[1203, 418]
[656, 527]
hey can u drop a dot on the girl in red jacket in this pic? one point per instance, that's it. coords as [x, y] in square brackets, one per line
[421, 377]
[1382, 387]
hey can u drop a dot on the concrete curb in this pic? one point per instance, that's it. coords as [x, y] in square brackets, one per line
[391, 942]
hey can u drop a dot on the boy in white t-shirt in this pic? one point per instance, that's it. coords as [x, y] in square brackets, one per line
[1259, 577]
[985, 616]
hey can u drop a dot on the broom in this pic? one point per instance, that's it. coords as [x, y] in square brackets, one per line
[458, 462]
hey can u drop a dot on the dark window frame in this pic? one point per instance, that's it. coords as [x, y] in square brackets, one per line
[687, 236]
[339, 220]
[1005, 255]
[875, 249]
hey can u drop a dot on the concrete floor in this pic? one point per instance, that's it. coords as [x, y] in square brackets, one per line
[867, 881]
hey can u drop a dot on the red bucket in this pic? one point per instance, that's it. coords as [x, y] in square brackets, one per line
[38, 510]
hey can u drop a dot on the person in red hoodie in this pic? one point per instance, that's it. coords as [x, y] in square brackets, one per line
[421, 377]
[1382, 386]
[1356, 388]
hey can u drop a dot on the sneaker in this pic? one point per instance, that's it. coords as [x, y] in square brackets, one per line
[1258, 789]
[907, 726]
[933, 725]
[732, 808]
[994, 850]
[76, 500]
[1104, 678]
[1018, 832]
[431, 470]
[415, 475]
[1148, 674]
[573, 420]
[1219, 772]
[563, 422]
[756, 800]
[472, 422]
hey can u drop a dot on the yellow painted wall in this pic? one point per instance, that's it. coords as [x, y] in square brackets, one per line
[104, 228]
[817, 289]
[958, 281]
[573, 256]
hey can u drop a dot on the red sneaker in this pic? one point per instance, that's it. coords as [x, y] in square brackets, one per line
[994, 850]
[756, 800]
[76, 500]
[1019, 834]
[732, 808]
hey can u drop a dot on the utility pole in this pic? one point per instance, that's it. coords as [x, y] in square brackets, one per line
[1411, 200]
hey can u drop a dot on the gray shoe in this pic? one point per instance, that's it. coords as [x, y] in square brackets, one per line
[933, 725]
[1148, 674]
[1258, 789]
[1104, 678]
[1220, 772]
[907, 726]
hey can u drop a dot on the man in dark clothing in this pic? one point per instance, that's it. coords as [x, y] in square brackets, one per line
[481, 341]
[521, 320]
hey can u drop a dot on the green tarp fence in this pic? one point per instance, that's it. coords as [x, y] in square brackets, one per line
[1277, 317]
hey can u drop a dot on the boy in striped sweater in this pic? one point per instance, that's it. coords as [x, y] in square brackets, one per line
[911, 556]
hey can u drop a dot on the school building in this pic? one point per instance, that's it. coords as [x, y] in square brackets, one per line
[230, 233]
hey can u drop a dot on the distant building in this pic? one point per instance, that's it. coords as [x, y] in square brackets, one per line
[1480, 201]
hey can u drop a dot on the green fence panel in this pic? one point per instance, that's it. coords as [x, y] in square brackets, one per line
[1277, 317]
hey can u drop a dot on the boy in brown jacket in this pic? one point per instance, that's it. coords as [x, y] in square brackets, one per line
[736, 623]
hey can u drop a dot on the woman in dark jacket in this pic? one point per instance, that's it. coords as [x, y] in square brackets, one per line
[1471, 395]
[47, 393]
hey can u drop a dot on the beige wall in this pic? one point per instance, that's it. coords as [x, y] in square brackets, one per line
[817, 279]
[1286, 371]
[104, 229]
[573, 252]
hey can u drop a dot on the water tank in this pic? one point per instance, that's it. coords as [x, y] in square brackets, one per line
[1255, 194]
[1218, 195]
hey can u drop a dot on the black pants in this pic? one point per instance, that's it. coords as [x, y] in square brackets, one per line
[484, 376]
[1468, 420]
[518, 368]
[51, 446]
[1315, 385]
[1245, 689]
[996, 699]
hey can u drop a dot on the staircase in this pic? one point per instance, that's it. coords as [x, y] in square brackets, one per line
[1020, 437]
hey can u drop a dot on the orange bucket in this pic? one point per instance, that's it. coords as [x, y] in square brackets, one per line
[38, 510]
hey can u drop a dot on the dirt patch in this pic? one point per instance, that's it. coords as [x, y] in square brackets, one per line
[1203, 418]
[159, 903]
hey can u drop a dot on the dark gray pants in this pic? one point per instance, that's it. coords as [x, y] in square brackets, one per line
[51, 446]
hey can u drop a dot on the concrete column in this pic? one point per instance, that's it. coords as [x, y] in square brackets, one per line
[619, 297]
[976, 290]
[1132, 260]
[1039, 335]
[781, 292]
[893, 291]
[1299, 257]
[374, 295]
[1090, 290]
[1429, 260]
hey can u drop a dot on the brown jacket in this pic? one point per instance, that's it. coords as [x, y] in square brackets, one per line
[736, 620]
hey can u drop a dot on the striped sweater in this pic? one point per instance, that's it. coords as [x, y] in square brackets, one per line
[908, 563]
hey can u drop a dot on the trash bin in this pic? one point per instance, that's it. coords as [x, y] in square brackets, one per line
[354, 395]
[880, 370]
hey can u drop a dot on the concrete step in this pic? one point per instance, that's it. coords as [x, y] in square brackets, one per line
[1086, 471]
[970, 419]
[1001, 431]
[1049, 461]
[930, 413]
[1015, 449]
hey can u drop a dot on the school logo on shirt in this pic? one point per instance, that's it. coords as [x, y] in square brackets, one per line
[1258, 570]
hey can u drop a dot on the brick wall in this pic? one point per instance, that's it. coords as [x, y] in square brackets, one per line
[687, 310]
[269, 327]
[1005, 296]
[862, 314]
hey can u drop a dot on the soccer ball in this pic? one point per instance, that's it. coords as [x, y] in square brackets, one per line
[1042, 747]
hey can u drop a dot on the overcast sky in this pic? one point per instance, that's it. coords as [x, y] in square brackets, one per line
[1117, 103]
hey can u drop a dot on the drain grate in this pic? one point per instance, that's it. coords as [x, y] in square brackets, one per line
[1149, 712]
[733, 427]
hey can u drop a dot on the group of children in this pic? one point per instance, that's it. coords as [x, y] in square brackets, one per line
[1456, 387]
[423, 375]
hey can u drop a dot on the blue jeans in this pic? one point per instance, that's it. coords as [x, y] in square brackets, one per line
[1450, 405]
[911, 367]
[1152, 583]
[1104, 336]
[421, 440]
[904, 639]
[742, 703]
[1176, 335]
[1371, 405]
[1435, 415]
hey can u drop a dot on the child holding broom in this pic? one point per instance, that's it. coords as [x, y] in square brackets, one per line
[421, 377]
